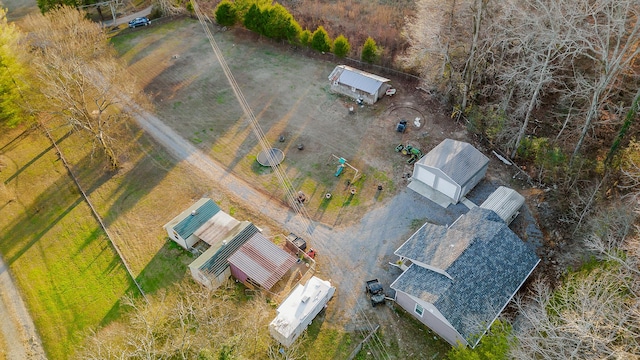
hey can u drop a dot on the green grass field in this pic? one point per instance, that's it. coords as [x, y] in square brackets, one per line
[59, 256]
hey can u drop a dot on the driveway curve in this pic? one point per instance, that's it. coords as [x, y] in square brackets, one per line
[19, 339]
[126, 18]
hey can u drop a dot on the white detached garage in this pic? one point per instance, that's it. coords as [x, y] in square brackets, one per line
[448, 172]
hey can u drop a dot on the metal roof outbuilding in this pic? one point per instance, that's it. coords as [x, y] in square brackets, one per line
[505, 202]
[262, 261]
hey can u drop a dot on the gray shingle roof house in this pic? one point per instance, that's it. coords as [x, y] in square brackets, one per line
[358, 84]
[448, 172]
[458, 279]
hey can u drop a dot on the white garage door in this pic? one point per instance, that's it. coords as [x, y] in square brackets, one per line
[446, 188]
[425, 176]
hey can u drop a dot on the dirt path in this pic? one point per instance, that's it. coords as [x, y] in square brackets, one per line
[19, 339]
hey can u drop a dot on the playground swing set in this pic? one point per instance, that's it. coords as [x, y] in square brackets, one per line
[342, 163]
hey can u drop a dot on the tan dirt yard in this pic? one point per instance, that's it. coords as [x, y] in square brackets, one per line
[290, 96]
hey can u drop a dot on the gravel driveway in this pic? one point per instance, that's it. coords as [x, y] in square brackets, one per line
[19, 339]
[348, 255]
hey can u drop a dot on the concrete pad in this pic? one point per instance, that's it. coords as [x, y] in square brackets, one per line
[428, 192]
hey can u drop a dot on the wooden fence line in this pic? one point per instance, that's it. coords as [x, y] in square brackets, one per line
[359, 347]
[94, 211]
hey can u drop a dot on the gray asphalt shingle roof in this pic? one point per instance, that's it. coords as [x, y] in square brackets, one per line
[187, 226]
[491, 266]
[458, 160]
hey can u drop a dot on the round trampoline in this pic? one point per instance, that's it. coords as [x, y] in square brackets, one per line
[271, 157]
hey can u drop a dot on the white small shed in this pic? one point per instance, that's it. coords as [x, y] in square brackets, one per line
[449, 171]
[299, 309]
[505, 202]
[358, 84]
[182, 228]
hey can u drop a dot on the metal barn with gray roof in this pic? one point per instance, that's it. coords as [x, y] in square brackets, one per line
[448, 172]
[358, 84]
[211, 269]
[458, 279]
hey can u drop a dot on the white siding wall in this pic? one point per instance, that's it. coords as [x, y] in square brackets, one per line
[430, 317]
[424, 175]
[437, 180]
[353, 93]
[176, 238]
[209, 281]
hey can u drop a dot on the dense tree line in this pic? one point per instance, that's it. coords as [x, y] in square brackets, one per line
[13, 72]
[276, 22]
[563, 73]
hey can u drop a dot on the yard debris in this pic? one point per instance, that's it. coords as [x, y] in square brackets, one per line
[502, 158]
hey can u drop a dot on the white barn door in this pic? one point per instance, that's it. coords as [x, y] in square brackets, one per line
[425, 176]
[446, 188]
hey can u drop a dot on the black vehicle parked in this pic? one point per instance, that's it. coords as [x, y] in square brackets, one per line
[297, 241]
[375, 291]
[139, 21]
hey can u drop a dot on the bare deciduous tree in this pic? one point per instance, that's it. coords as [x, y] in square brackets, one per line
[187, 322]
[608, 30]
[594, 314]
[79, 77]
[439, 36]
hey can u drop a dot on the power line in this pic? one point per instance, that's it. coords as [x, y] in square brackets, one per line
[285, 183]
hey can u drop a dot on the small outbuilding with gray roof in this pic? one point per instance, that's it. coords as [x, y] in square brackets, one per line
[458, 279]
[505, 202]
[448, 172]
[358, 84]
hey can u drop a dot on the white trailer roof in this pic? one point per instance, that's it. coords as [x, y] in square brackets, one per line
[300, 307]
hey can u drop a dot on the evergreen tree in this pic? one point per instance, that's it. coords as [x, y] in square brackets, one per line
[254, 19]
[280, 24]
[305, 37]
[46, 5]
[341, 46]
[370, 51]
[321, 40]
[225, 13]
